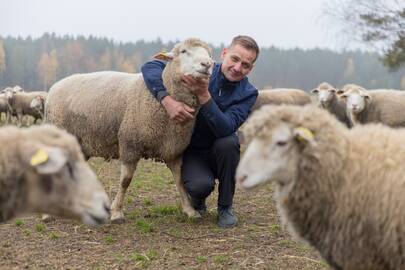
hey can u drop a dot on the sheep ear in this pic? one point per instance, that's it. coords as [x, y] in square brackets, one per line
[367, 97]
[165, 56]
[49, 160]
[302, 134]
[339, 91]
[315, 91]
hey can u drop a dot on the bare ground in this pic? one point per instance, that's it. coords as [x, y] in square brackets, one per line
[156, 234]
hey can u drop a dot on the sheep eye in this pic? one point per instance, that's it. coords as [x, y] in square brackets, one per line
[70, 169]
[183, 51]
[281, 143]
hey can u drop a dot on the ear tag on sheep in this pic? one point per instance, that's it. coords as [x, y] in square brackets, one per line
[163, 55]
[304, 135]
[39, 157]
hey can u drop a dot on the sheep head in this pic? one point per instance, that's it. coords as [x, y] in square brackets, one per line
[190, 57]
[355, 97]
[325, 93]
[59, 181]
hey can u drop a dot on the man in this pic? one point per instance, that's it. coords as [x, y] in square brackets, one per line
[214, 149]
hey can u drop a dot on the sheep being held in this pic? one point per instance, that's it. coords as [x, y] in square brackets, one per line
[340, 190]
[43, 170]
[114, 115]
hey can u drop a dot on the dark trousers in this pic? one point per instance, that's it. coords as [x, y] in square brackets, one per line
[201, 168]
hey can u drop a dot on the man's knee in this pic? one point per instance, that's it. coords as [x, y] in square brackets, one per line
[229, 144]
[200, 190]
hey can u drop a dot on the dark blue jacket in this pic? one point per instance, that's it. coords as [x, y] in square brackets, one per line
[222, 115]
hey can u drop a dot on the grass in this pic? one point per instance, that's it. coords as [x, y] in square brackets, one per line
[40, 227]
[144, 226]
[18, 222]
[109, 239]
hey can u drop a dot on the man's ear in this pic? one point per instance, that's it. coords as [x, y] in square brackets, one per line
[165, 56]
[224, 51]
[48, 160]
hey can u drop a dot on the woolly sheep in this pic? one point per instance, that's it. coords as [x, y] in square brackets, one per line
[378, 106]
[279, 96]
[327, 98]
[114, 115]
[3, 105]
[43, 170]
[38, 104]
[341, 190]
[20, 104]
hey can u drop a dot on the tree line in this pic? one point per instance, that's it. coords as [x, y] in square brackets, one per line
[35, 64]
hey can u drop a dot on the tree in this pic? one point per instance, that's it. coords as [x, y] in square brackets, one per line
[2, 58]
[379, 23]
[47, 68]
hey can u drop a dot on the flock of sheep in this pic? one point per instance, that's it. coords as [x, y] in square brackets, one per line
[338, 183]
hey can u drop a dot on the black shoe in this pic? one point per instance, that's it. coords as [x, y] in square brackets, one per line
[199, 205]
[226, 217]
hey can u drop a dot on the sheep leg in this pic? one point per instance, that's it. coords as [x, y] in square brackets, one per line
[19, 119]
[175, 167]
[127, 172]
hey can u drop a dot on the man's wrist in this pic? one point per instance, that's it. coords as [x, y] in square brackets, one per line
[204, 98]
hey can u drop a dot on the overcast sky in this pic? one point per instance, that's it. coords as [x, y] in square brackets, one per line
[285, 24]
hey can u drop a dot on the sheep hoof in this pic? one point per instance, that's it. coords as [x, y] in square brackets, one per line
[47, 218]
[117, 218]
[193, 214]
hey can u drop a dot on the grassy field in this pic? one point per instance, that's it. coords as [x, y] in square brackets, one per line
[156, 235]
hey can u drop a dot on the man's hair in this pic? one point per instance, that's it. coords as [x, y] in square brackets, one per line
[247, 43]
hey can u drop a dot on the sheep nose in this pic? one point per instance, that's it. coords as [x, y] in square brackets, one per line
[242, 178]
[206, 64]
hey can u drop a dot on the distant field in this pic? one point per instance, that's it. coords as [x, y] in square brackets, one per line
[156, 234]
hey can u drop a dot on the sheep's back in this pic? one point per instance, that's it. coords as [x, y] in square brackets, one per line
[280, 96]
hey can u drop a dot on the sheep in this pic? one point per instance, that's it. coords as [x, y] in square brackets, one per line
[20, 103]
[327, 98]
[4, 107]
[338, 189]
[38, 104]
[379, 106]
[281, 96]
[114, 115]
[43, 170]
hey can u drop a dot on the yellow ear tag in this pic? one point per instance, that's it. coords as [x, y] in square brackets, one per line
[39, 157]
[304, 134]
[163, 55]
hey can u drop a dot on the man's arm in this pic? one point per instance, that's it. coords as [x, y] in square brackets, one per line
[225, 123]
[152, 74]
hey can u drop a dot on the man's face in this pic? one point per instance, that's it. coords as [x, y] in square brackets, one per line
[237, 62]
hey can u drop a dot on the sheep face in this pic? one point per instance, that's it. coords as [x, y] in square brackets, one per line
[325, 93]
[63, 185]
[191, 57]
[356, 99]
[38, 103]
[271, 158]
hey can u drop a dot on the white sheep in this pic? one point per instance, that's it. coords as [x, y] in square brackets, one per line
[20, 104]
[279, 96]
[38, 104]
[376, 106]
[341, 190]
[114, 115]
[327, 98]
[43, 170]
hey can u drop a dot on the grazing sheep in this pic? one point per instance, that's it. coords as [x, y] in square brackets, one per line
[327, 98]
[20, 104]
[281, 96]
[38, 104]
[340, 190]
[378, 106]
[43, 170]
[114, 115]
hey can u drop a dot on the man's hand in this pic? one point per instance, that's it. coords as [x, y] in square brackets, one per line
[199, 86]
[177, 111]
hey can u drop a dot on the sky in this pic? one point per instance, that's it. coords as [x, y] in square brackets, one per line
[285, 24]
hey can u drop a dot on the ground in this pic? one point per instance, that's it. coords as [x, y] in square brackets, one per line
[156, 235]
